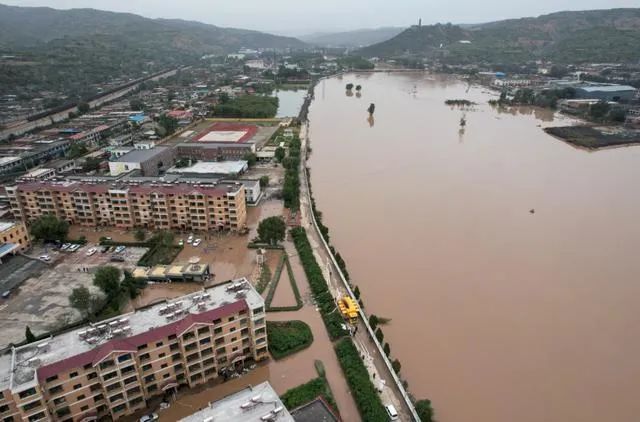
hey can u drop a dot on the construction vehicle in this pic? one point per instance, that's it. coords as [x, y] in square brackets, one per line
[349, 309]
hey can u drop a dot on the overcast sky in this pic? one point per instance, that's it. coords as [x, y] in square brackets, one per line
[305, 16]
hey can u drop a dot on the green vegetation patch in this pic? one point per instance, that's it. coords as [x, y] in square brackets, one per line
[592, 138]
[363, 390]
[288, 337]
[265, 278]
[330, 314]
[248, 106]
[284, 261]
[308, 392]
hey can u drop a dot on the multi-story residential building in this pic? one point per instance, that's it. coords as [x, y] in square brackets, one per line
[251, 404]
[179, 206]
[14, 237]
[113, 367]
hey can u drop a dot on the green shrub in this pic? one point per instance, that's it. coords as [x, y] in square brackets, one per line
[363, 390]
[305, 393]
[288, 337]
[276, 281]
[330, 314]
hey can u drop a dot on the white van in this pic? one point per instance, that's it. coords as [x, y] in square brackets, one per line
[391, 410]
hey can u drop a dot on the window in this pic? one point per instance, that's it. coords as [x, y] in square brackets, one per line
[81, 397]
[95, 387]
[59, 400]
[217, 330]
[110, 375]
[152, 387]
[73, 374]
[55, 390]
[63, 412]
[4, 408]
[128, 369]
[142, 347]
[203, 330]
[161, 355]
[232, 319]
[164, 365]
[149, 378]
[115, 398]
[84, 408]
[135, 401]
[146, 367]
[119, 408]
[167, 375]
[124, 358]
[77, 386]
[158, 344]
[92, 375]
[172, 337]
[144, 357]
[114, 386]
[106, 364]
[98, 397]
[87, 367]
[36, 417]
[52, 378]
[31, 405]
[27, 393]
[217, 321]
[258, 310]
[130, 380]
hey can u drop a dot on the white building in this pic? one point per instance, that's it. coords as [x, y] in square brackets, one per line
[252, 190]
[212, 168]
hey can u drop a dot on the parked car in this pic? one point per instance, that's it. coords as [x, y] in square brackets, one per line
[105, 249]
[190, 238]
[45, 258]
[91, 251]
[65, 246]
[117, 258]
[393, 413]
[120, 249]
[149, 418]
[181, 242]
[74, 247]
[6, 294]
[197, 242]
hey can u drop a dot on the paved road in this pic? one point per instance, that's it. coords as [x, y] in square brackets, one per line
[374, 362]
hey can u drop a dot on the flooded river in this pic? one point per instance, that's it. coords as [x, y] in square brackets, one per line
[505, 258]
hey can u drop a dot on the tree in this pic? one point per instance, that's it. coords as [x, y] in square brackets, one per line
[617, 115]
[77, 150]
[396, 366]
[169, 124]
[358, 88]
[137, 104]
[264, 181]
[557, 71]
[379, 335]
[280, 153]
[108, 280]
[250, 158]
[424, 410]
[387, 349]
[356, 292]
[599, 109]
[83, 107]
[373, 321]
[131, 286]
[271, 230]
[349, 86]
[223, 98]
[49, 228]
[29, 335]
[139, 235]
[81, 299]
[91, 164]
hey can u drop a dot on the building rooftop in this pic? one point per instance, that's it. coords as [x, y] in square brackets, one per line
[6, 225]
[315, 411]
[253, 404]
[213, 167]
[8, 160]
[139, 155]
[606, 88]
[25, 365]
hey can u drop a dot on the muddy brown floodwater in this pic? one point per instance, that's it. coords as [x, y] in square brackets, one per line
[505, 258]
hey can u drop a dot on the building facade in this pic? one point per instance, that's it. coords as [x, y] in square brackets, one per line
[111, 368]
[14, 233]
[149, 161]
[168, 206]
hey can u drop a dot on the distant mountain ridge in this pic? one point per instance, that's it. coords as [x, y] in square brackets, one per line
[569, 37]
[24, 27]
[356, 38]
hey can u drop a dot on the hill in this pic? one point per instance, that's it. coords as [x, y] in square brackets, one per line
[357, 38]
[72, 51]
[565, 37]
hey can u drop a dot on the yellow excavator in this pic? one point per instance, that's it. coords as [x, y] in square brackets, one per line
[349, 309]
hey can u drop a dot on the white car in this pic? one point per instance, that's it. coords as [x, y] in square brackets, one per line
[45, 258]
[120, 249]
[65, 246]
[149, 418]
[190, 238]
[197, 242]
[74, 247]
[181, 242]
[392, 412]
[91, 251]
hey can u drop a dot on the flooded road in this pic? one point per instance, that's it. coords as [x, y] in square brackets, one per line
[504, 257]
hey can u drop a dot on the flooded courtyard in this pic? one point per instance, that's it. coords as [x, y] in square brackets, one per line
[505, 258]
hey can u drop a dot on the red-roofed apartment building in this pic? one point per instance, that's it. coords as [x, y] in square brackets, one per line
[110, 369]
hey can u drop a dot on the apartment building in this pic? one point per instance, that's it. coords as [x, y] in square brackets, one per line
[14, 237]
[113, 367]
[177, 206]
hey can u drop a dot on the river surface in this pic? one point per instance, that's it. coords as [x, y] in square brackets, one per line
[506, 259]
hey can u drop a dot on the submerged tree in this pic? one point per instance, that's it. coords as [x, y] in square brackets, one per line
[349, 86]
